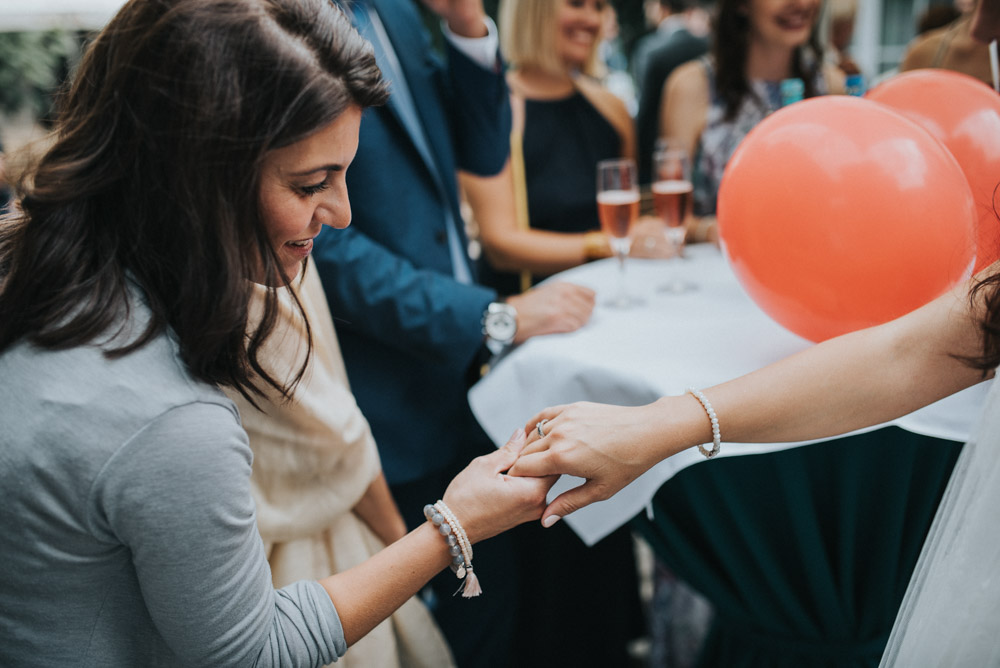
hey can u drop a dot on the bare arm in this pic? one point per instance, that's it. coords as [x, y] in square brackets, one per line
[370, 592]
[859, 379]
[378, 510]
[464, 17]
[547, 309]
[683, 114]
[921, 52]
[685, 105]
[508, 246]
[486, 503]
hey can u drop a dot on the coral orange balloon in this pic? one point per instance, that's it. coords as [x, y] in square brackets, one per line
[838, 213]
[964, 113]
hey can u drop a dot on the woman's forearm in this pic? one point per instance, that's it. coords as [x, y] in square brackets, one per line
[513, 248]
[378, 510]
[373, 590]
[854, 381]
[543, 253]
[483, 501]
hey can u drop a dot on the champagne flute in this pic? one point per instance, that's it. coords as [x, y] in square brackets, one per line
[618, 209]
[672, 198]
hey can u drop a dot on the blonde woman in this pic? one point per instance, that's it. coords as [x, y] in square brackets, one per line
[565, 121]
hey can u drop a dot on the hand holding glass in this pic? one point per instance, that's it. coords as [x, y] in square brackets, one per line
[618, 209]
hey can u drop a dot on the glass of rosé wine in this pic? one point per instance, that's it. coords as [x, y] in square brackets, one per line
[672, 197]
[618, 209]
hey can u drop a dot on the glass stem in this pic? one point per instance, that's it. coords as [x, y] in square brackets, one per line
[622, 292]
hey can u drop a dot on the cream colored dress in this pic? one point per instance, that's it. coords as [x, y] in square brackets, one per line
[314, 457]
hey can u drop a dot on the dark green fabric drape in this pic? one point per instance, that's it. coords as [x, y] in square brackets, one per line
[804, 553]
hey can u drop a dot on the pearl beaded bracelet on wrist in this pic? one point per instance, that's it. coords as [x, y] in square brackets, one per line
[716, 433]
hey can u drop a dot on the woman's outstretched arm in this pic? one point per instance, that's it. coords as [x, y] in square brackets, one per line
[853, 381]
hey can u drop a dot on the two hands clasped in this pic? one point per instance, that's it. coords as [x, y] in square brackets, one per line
[608, 446]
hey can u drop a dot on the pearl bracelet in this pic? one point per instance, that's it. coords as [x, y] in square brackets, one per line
[440, 515]
[716, 434]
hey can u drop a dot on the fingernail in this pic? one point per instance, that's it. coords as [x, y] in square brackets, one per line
[550, 520]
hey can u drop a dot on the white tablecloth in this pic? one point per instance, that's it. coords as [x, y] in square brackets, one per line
[632, 357]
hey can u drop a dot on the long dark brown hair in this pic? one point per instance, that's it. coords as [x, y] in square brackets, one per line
[154, 172]
[986, 293]
[731, 46]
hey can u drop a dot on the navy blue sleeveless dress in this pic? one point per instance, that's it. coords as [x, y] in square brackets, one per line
[563, 141]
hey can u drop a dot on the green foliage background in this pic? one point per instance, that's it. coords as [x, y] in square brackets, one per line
[32, 67]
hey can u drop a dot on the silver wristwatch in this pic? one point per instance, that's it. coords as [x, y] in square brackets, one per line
[499, 326]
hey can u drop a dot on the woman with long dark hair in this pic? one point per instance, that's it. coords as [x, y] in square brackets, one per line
[200, 149]
[709, 105]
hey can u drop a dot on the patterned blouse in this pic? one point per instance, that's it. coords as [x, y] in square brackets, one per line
[721, 137]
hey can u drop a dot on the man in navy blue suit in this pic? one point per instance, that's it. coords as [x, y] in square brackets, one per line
[414, 327]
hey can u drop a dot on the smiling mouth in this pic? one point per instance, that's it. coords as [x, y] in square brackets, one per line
[300, 244]
[797, 22]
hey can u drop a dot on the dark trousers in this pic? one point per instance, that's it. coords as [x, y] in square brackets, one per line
[580, 605]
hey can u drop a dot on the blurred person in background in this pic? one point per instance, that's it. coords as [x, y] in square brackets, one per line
[613, 67]
[951, 47]
[564, 123]
[712, 103]
[937, 16]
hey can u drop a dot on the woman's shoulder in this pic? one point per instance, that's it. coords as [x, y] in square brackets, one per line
[923, 50]
[691, 78]
[607, 103]
[612, 108]
[113, 395]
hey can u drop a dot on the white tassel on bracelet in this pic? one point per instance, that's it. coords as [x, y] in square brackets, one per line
[440, 515]
[716, 434]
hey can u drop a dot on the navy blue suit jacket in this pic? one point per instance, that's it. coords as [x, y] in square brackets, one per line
[408, 330]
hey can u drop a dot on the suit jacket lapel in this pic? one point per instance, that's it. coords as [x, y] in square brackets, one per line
[411, 50]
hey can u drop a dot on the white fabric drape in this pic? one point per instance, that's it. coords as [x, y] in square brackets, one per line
[314, 457]
[951, 612]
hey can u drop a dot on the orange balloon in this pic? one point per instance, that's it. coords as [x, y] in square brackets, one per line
[838, 213]
[964, 113]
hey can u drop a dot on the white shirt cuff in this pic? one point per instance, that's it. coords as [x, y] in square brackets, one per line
[481, 50]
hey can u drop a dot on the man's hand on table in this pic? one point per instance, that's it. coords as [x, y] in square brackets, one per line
[552, 309]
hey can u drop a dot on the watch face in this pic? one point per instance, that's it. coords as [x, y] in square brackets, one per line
[501, 326]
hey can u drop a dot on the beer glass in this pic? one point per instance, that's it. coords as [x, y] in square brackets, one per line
[672, 197]
[618, 209]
